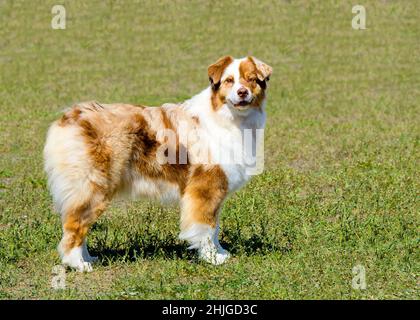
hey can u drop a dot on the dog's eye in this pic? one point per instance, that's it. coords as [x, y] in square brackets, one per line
[252, 79]
[229, 80]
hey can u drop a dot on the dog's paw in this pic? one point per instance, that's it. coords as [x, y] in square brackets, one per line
[75, 260]
[80, 265]
[215, 257]
[84, 267]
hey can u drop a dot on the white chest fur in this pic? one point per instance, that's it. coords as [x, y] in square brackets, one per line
[234, 140]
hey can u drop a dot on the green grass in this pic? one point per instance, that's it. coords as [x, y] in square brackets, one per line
[341, 179]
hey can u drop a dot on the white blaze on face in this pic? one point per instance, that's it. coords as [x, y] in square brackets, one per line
[234, 96]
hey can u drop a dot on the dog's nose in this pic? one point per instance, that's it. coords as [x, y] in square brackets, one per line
[242, 92]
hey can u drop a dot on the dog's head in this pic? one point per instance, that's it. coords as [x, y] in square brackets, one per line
[238, 84]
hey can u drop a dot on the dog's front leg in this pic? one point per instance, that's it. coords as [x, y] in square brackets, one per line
[200, 208]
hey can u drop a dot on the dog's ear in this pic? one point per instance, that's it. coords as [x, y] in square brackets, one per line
[215, 71]
[264, 70]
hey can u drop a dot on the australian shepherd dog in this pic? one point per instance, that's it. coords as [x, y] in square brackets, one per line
[196, 152]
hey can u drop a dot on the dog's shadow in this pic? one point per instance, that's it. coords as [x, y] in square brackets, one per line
[150, 246]
[144, 249]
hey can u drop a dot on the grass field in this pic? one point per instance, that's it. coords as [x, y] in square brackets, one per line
[341, 180]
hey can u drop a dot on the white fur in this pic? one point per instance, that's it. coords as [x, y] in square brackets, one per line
[67, 150]
[149, 188]
[75, 259]
[205, 239]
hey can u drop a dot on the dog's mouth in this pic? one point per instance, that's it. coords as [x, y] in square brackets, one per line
[242, 104]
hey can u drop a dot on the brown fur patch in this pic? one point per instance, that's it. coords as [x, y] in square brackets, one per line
[264, 70]
[206, 189]
[78, 220]
[74, 229]
[249, 78]
[165, 120]
[196, 120]
[218, 98]
[99, 151]
[144, 156]
[70, 116]
[215, 71]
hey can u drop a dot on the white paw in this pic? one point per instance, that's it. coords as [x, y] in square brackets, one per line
[81, 266]
[85, 267]
[75, 260]
[205, 239]
[214, 257]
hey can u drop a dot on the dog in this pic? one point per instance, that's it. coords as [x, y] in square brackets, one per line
[96, 152]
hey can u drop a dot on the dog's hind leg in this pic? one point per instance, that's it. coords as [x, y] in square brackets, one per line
[200, 207]
[76, 223]
[78, 165]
